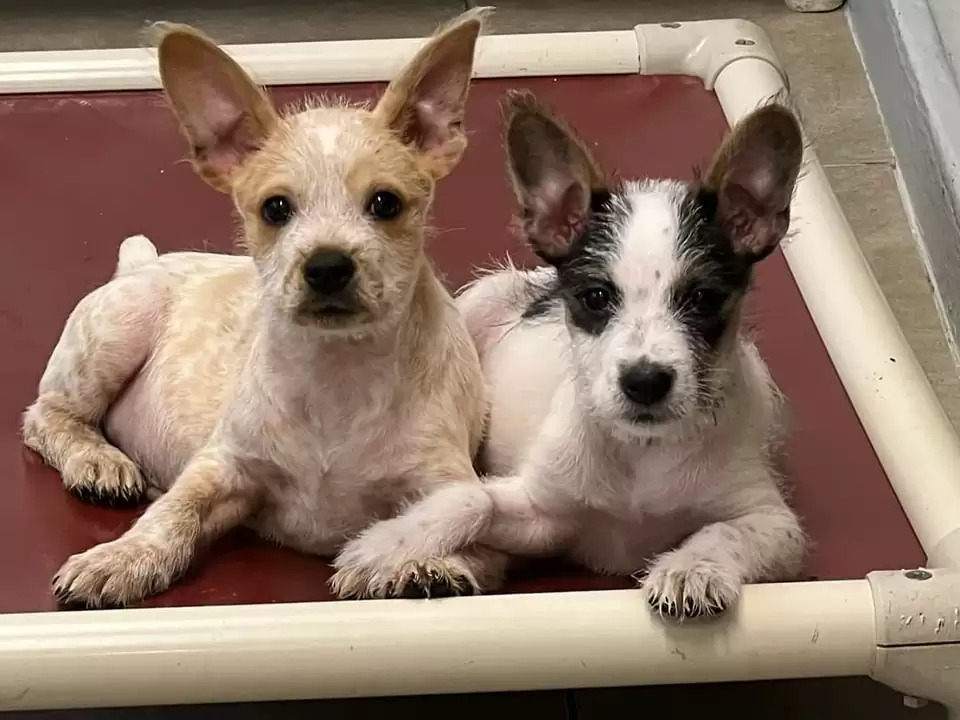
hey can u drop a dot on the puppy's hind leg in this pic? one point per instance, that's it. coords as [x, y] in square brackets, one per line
[106, 340]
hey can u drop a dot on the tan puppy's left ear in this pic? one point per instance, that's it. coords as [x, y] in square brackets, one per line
[225, 115]
[425, 105]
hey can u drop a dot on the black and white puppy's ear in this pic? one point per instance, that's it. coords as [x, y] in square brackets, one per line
[554, 176]
[753, 175]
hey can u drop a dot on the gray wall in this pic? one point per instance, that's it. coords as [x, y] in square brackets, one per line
[914, 67]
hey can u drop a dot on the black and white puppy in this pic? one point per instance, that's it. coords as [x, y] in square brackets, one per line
[632, 422]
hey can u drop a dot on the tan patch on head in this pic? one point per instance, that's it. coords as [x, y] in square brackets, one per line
[389, 167]
[273, 171]
[240, 143]
[331, 187]
[299, 161]
[227, 117]
[327, 166]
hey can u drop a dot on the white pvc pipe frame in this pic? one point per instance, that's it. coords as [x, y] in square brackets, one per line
[519, 642]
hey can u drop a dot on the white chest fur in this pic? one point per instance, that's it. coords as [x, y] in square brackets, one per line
[326, 426]
[629, 496]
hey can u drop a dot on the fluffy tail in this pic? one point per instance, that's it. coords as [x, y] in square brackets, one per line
[135, 252]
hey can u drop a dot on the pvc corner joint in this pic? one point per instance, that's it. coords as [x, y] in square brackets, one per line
[705, 47]
[918, 633]
[946, 553]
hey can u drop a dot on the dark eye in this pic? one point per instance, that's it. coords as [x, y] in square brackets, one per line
[706, 300]
[384, 205]
[595, 299]
[276, 210]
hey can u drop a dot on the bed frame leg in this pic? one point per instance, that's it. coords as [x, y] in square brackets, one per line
[814, 5]
[918, 634]
[953, 713]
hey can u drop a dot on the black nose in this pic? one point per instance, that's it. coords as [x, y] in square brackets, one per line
[328, 272]
[646, 383]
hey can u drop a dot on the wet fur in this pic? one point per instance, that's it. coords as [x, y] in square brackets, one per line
[680, 493]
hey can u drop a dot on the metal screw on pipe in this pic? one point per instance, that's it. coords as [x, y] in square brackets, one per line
[814, 5]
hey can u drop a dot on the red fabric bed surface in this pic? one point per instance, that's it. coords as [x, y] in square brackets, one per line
[81, 172]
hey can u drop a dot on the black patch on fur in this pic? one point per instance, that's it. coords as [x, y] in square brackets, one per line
[544, 302]
[586, 268]
[707, 298]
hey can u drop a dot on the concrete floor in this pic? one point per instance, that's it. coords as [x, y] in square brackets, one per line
[840, 115]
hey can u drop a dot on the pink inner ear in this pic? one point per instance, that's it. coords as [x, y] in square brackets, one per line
[222, 130]
[558, 213]
[755, 173]
[753, 227]
[436, 104]
[433, 124]
[759, 185]
[220, 114]
[234, 144]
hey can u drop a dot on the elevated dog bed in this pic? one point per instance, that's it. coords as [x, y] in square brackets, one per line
[89, 154]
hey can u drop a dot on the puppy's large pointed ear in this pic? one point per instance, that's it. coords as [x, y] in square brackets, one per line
[224, 114]
[425, 105]
[753, 175]
[553, 173]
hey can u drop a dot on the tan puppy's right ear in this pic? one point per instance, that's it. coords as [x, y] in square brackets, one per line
[554, 175]
[224, 114]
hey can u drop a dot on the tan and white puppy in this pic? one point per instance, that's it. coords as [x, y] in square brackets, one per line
[319, 383]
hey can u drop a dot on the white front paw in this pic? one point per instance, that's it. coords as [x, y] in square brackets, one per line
[370, 566]
[685, 584]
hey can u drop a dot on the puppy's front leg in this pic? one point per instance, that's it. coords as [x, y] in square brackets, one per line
[455, 539]
[520, 524]
[705, 574]
[424, 549]
[209, 498]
